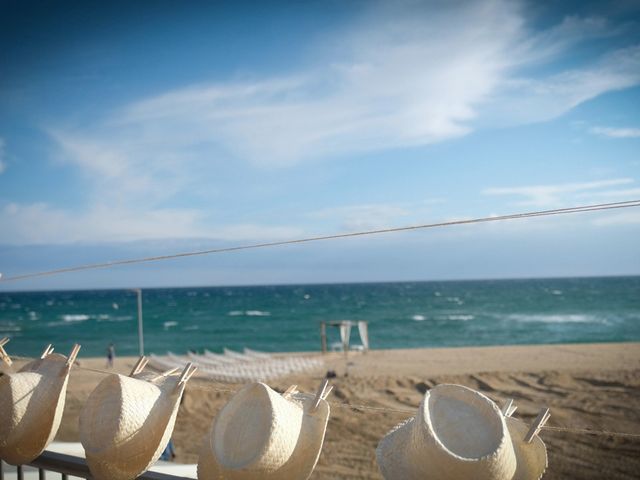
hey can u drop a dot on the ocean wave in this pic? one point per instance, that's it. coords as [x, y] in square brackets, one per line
[191, 327]
[10, 328]
[169, 324]
[75, 318]
[109, 318]
[418, 318]
[555, 318]
[463, 318]
[249, 313]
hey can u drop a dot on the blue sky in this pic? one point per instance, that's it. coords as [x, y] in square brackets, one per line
[140, 128]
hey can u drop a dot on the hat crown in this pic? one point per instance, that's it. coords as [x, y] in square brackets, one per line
[258, 429]
[457, 433]
[464, 423]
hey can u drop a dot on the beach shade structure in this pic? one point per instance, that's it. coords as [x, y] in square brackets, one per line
[460, 433]
[128, 421]
[261, 434]
[31, 405]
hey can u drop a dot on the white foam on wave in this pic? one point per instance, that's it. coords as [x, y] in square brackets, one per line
[556, 292]
[109, 318]
[462, 318]
[169, 324]
[555, 318]
[418, 318]
[249, 313]
[75, 318]
[10, 328]
[257, 313]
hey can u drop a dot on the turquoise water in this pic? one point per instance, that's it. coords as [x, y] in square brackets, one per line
[286, 318]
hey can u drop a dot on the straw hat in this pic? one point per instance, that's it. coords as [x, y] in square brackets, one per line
[128, 421]
[530, 457]
[460, 433]
[31, 405]
[261, 434]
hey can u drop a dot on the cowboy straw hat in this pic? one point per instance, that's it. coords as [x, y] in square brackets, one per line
[460, 433]
[31, 405]
[127, 421]
[260, 434]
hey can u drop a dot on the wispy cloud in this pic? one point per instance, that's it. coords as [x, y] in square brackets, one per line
[404, 75]
[612, 132]
[3, 165]
[103, 224]
[388, 84]
[350, 218]
[555, 195]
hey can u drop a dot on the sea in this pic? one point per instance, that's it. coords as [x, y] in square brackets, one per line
[287, 317]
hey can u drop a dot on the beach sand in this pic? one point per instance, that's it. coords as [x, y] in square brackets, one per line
[585, 386]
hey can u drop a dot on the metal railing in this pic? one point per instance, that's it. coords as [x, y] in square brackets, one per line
[66, 466]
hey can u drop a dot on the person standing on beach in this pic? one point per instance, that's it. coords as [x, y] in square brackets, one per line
[111, 355]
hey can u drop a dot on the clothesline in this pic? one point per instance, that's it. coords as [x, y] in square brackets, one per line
[496, 218]
[218, 387]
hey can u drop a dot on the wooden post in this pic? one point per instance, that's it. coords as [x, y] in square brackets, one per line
[323, 337]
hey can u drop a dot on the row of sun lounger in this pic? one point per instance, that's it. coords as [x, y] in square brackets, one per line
[236, 367]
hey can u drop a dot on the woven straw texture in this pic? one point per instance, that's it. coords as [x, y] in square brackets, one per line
[458, 433]
[31, 407]
[260, 434]
[126, 424]
[531, 457]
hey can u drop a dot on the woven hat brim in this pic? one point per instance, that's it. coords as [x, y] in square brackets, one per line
[531, 457]
[391, 453]
[299, 466]
[133, 457]
[40, 422]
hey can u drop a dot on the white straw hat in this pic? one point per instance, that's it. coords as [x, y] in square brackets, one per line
[128, 421]
[531, 457]
[459, 433]
[261, 434]
[31, 405]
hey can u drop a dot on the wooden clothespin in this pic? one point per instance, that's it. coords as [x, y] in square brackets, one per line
[72, 355]
[139, 366]
[4, 356]
[293, 389]
[186, 374]
[537, 424]
[323, 392]
[509, 408]
[47, 351]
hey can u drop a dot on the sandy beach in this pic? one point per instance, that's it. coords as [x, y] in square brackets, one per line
[595, 386]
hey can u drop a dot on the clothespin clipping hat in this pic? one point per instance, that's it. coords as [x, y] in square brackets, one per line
[460, 433]
[260, 434]
[31, 405]
[127, 421]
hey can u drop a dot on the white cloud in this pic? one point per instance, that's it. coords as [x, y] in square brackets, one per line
[554, 195]
[406, 75]
[101, 224]
[617, 219]
[3, 165]
[526, 100]
[616, 132]
[351, 218]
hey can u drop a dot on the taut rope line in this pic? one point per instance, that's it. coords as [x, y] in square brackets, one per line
[514, 216]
